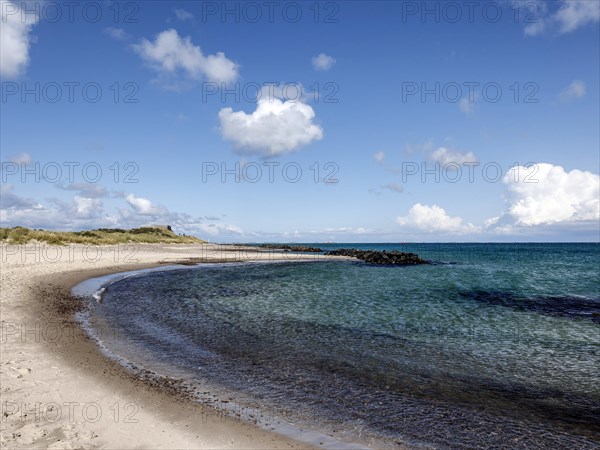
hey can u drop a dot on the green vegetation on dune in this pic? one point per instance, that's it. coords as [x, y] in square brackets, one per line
[101, 236]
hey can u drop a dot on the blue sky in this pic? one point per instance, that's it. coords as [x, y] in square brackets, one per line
[408, 121]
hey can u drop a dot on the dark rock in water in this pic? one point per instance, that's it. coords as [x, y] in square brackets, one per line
[374, 257]
[564, 306]
[292, 248]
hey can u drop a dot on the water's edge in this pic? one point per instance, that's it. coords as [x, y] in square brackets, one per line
[365, 355]
[91, 291]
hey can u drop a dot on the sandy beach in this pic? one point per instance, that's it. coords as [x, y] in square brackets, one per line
[332, 225]
[59, 391]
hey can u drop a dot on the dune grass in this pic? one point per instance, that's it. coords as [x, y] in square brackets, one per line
[101, 236]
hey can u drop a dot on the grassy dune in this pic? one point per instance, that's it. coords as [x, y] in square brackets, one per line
[101, 236]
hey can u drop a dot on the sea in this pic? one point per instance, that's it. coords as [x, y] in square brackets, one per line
[488, 346]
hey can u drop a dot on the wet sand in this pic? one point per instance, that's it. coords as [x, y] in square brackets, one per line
[57, 388]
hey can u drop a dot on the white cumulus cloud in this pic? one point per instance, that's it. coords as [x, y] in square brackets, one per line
[547, 194]
[86, 211]
[276, 127]
[144, 206]
[322, 62]
[86, 207]
[15, 29]
[577, 13]
[433, 219]
[170, 54]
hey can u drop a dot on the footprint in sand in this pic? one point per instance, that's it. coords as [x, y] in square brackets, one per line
[23, 371]
[70, 444]
[29, 433]
[60, 438]
[18, 372]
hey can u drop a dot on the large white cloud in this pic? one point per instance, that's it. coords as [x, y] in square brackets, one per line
[86, 207]
[15, 27]
[570, 15]
[547, 194]
[275, 127]
[170, 53]
[79, 213]
[86, 212]
[432, 219]
[576, 13]
[542, 198]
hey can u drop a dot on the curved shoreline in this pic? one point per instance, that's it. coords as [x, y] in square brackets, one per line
[59, 391]
[151, 361]
[47, 360]
[90, 289]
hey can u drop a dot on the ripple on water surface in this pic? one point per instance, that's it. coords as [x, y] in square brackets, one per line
[458, 355]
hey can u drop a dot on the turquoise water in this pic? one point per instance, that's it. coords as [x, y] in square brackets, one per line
[492, 345]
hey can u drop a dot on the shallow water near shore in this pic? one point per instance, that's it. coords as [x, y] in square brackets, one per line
[494, 345]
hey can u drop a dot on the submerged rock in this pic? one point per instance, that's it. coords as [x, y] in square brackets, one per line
[375, 257]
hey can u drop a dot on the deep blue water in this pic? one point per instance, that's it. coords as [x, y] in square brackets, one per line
[492, 345]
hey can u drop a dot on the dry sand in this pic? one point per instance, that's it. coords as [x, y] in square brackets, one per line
[58, 391]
